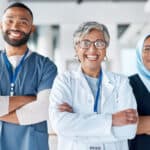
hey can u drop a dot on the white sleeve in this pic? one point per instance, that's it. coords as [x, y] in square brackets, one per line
[94, 126]
[4, 103]
[35, 111]
[75, 124]
[125, 100]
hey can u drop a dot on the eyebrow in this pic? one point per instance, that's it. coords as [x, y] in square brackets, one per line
[20, 17]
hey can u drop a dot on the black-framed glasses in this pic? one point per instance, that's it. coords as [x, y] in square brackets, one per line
[86, 44]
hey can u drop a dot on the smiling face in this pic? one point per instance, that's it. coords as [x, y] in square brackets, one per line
[16, 26]
[146, 53]
[92, 57]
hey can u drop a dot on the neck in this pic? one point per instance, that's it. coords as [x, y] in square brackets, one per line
[92, 73]
[12, 51]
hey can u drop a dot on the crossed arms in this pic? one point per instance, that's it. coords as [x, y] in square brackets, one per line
[27, 110]
[15, 102]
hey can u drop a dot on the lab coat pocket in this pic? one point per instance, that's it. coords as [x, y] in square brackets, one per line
[80, 143]
[85, 143]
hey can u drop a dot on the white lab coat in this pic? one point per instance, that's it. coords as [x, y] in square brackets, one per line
[84, 128]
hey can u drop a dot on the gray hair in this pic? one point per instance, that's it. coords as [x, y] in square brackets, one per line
[86, 27]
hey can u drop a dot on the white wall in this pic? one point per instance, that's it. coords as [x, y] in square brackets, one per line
[72, 13]
[128, 61]
[69, 15]
[3, 4]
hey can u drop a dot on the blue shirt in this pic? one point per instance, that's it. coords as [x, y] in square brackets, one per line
[36, 74]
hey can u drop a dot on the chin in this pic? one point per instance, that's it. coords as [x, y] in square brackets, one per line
[94, 68]
[147, 67]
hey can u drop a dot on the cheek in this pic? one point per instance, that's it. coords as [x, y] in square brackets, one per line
[146, 62]
[103, 53]
[147, 65]
[80, 56]
[79, 53]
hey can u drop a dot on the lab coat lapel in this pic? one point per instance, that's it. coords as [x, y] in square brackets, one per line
[106, 90]
[83, 82]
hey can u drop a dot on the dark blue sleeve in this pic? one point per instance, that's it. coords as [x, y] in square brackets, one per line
[49, 72]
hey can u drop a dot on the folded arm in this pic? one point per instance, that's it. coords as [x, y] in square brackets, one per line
[108, 127]
[36, 111]
[123, 119]
[15, 102]
[144, 125]
[28, 110]
[10, 104]
[126, 100]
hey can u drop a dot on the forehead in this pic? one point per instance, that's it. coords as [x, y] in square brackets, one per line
[17, 12]
[95, 34]
[147, 41]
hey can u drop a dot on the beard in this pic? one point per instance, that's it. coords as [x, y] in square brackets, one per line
[16, 42]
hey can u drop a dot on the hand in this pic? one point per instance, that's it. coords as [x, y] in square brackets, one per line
[65, 107]
[125, 117]
[148, 133]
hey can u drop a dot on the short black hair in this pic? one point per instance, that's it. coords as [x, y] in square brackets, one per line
[20, 5]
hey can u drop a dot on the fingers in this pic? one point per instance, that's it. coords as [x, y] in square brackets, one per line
[65, 107]
[131, 111]
[125, 117]
[131, 116]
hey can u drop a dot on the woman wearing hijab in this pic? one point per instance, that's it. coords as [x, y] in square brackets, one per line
[104, 108]
[140, 83]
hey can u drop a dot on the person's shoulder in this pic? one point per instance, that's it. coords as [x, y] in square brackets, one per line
[117, 78]
[135, 79]
[39, 56]
[113, 75]
[67, 76]
[42, 59]
[134, 76]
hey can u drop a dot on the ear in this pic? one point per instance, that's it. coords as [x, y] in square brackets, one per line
[76, 48]
[105, 52]
[33, 28]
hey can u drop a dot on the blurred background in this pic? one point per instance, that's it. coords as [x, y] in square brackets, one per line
[56, 20]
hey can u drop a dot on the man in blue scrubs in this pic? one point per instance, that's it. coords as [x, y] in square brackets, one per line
[25, 82]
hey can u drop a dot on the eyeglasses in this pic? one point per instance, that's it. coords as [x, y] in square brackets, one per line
[86, 44]
[146, 49]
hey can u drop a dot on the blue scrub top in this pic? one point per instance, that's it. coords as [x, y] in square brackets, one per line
[36, 74]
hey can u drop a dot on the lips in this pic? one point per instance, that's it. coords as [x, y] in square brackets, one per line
[92, 57]
[15, 34]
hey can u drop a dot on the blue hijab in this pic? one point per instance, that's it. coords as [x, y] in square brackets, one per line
[140, 65]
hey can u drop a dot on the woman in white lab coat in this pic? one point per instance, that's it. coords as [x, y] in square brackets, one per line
[104, 109]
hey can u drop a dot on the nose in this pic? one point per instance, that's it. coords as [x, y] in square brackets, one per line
[92, 47]
[15, 25]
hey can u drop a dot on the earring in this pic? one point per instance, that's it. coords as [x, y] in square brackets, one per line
[105, 58]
